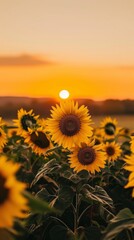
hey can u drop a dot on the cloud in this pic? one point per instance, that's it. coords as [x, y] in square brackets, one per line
[23, 60]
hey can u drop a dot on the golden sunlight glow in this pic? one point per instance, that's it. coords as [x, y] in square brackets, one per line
[64, 94]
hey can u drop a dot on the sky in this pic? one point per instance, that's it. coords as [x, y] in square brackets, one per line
[84, 46]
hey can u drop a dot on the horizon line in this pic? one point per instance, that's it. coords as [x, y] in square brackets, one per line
[73, 98]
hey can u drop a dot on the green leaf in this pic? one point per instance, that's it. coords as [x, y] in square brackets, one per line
[60, 232]
[82, 176]
[97, 194]
[64, 181]
[123, 220]
[48, 168]
[63, 199]
[101, 193]
[37, 205]
[93, 233]
[45, 195]
[89, 233]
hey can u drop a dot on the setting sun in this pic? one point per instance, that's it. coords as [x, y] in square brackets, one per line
[64, 94]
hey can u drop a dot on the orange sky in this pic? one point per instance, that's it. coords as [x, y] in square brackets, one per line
[86, 47]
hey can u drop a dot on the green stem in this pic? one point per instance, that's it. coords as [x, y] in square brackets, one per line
[59, 220]
[130, 234]
[34, 162]
[109, 212]
[76, 212]
[83, 212]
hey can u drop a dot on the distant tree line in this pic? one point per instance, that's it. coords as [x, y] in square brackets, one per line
[111, 107]
[42, 107]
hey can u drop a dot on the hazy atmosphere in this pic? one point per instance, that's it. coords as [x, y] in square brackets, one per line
[84, 46]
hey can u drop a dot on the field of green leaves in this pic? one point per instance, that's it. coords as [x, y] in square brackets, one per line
[69, 176]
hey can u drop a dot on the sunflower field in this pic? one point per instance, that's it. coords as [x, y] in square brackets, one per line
[62, 178]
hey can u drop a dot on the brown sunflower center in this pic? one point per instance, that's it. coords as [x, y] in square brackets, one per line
[86, 155]
[40, 140]
[4, 192]
[110, 129]
[27, 121]
[110, 151]
[70, 125]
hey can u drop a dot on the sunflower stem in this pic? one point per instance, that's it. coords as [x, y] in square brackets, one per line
[76, 212]
[130, 233]
[84, 212]
[130, 237]
[59, 220]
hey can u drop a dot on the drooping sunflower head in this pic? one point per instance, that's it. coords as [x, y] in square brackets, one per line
[12, 202]
[25, 120]
[69, 124]
[125, 131]
[38, 140]
[126, 148]
[109, 127]
[97, 135]
[87, 156]
[3, 138]
[113, 150]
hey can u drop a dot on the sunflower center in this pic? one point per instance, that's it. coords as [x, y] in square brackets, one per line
[40, 140]
[110, 151]
[110, 128]
[86, 155]
[3, 190]
[70, 125]
[27, 121]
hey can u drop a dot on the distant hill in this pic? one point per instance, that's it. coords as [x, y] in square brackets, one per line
[10, 105]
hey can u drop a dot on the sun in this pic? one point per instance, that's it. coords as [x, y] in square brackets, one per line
[64, 94]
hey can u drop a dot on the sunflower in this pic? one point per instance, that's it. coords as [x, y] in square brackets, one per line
[11, 132]
[12, 203]
[112, 150]
[126, 132]
[2, 122]
[109, 127]
[38, 140]
[69, 124]
[130, 167]
[132, 144]
[25, 120]
[87, 156]
[97, 135]
[126, 148]
[3, 138]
